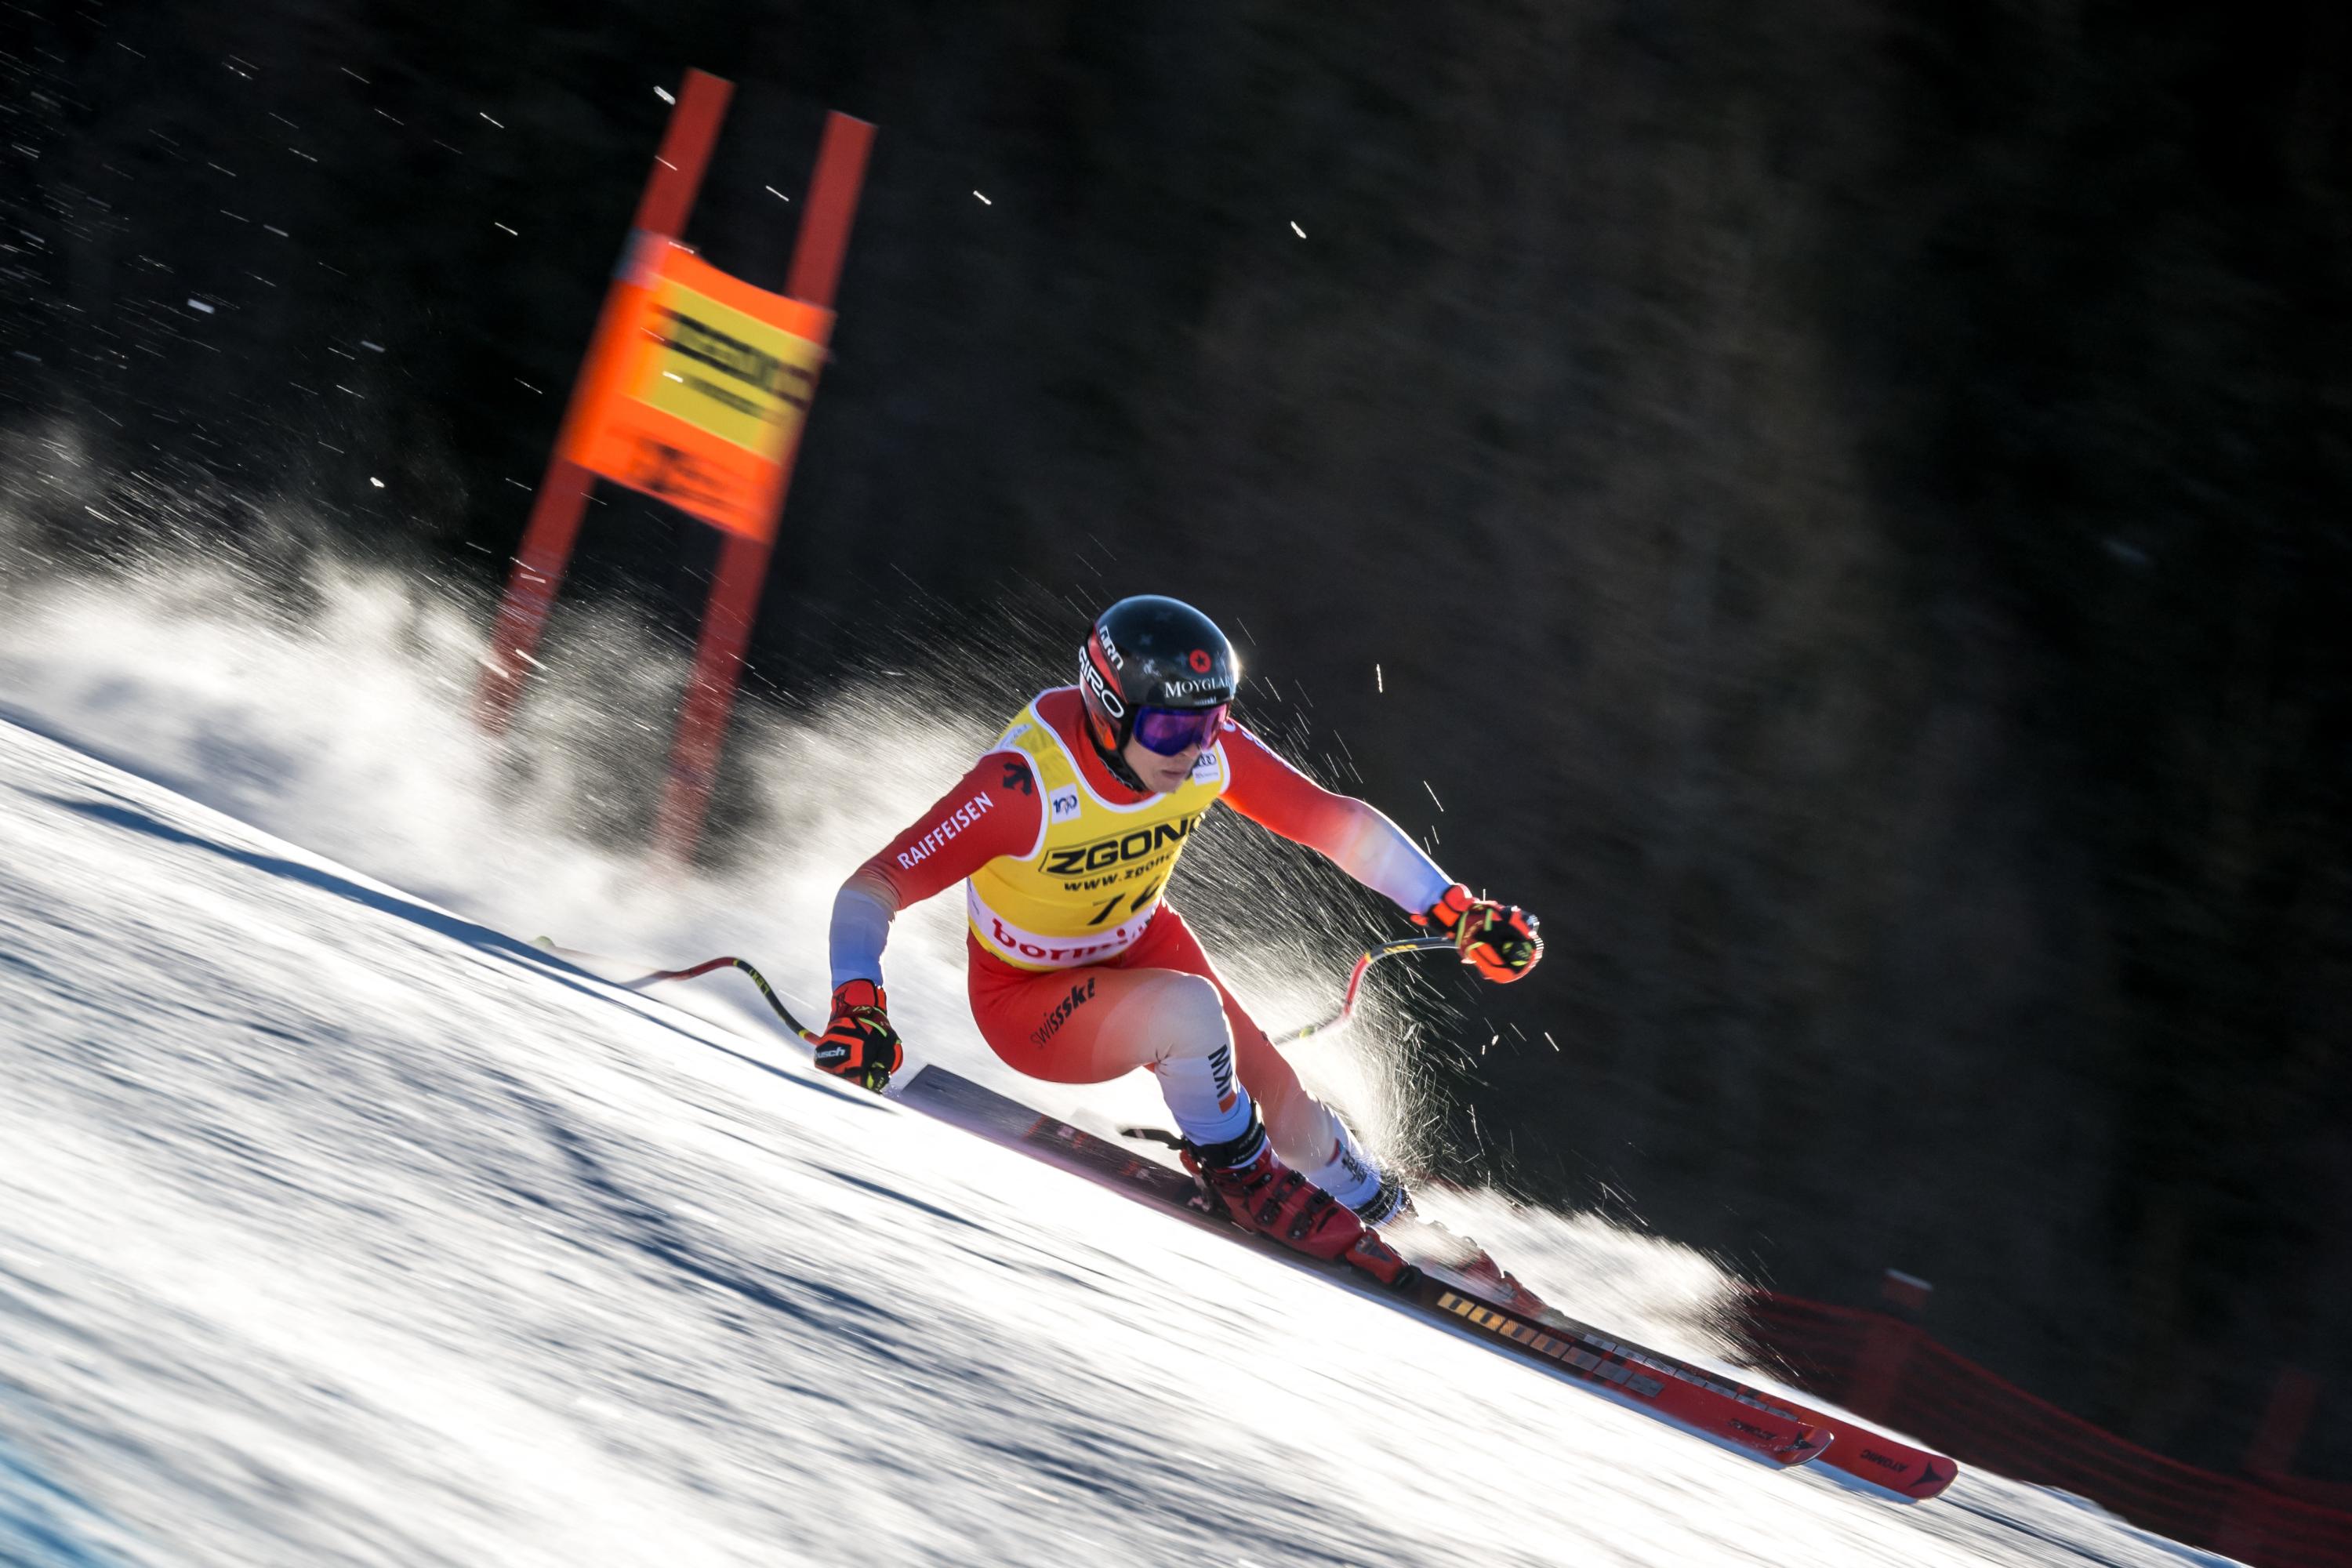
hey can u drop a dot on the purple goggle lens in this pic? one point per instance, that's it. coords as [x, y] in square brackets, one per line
[1169, 731]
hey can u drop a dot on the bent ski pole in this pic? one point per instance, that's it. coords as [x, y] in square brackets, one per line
[1338, 1020]
[1347, 1012]
[757, 979]
[574, 955]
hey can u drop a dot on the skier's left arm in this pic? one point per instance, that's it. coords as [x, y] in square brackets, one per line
[1499, 941]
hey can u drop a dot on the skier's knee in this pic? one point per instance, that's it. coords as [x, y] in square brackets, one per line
[1192, 1018]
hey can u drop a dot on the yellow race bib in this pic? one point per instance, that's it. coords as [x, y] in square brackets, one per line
[1094, 878]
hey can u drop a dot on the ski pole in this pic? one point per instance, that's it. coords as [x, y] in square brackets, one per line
[1338, 1020]
[1347, 1012]
[576, 956]
[757, 979]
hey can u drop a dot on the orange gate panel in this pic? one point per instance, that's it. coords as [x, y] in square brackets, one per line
[698, 394]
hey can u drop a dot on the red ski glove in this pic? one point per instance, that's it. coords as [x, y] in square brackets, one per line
[859, 1043]
[1500, 943]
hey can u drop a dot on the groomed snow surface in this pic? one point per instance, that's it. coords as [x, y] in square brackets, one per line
[337, 1228]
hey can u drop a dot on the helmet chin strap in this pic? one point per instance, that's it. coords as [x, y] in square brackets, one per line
[1117, 764]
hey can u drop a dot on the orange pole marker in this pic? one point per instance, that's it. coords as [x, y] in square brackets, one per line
[698, 395]
[562, 495]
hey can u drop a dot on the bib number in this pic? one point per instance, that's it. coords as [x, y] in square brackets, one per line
[1135, 905]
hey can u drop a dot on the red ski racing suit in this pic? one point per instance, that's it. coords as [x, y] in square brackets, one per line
[1079, 970]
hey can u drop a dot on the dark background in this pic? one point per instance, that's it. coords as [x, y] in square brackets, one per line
[1847, 499]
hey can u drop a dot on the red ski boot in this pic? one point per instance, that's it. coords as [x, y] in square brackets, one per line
[1259, 1193]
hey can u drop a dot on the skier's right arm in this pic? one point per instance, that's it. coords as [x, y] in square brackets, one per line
[993, 810]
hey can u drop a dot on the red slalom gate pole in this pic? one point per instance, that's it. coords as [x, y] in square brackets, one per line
[711, 694]
[817, 253]
[539, 565]
[562, 497]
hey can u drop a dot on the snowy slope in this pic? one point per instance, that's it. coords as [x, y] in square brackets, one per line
[337, 1228]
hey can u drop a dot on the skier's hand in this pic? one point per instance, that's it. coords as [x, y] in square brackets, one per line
[859, 1043]
[1499, 942]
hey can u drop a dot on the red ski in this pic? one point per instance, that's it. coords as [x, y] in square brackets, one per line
[1910, 1473]
[1454, 1285]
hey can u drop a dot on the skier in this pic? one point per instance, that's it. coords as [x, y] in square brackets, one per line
[1063, 834]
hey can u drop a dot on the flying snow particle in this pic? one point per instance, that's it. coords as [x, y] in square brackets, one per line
[1433, 793]
[485, 114]
[377, 348]
[664, 94]
[1378, 683]
[1297, 230]
[775, 192]
[376, 482]
[200, 305]
[496, 224]
[983, 200]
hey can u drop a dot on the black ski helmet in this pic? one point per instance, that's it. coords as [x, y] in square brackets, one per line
[1150, 652]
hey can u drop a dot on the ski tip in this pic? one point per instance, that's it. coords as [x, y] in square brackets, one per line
[1913, 1475]
[1936, 1473]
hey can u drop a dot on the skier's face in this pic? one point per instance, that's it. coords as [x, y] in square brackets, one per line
[1160, 774]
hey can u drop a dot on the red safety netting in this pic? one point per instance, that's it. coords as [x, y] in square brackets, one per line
[2327, 1494]
[1885, 1369]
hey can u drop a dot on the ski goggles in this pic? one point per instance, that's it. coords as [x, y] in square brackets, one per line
[1167, 731]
